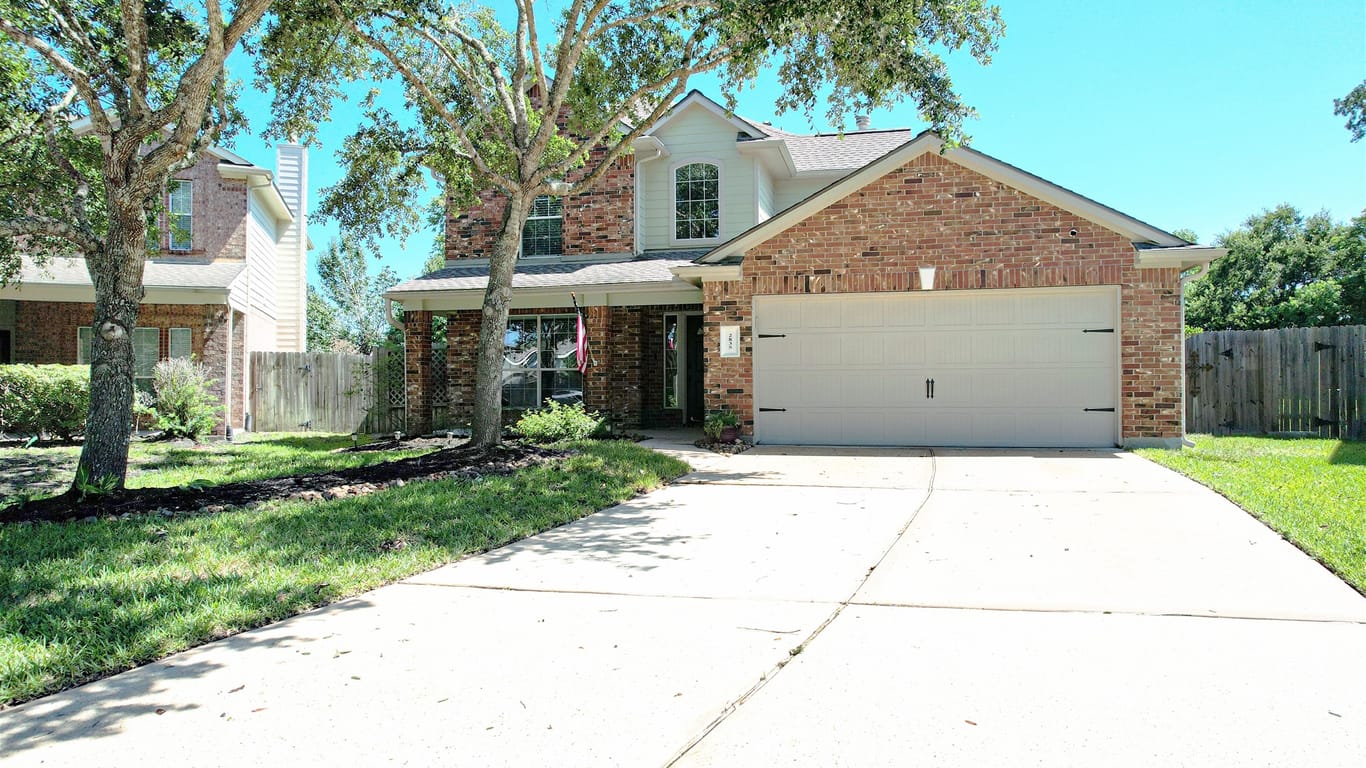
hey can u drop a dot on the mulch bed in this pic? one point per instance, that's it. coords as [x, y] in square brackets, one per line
[459, 462]
[720, 446]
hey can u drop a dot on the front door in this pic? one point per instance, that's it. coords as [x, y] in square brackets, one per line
[695, 409]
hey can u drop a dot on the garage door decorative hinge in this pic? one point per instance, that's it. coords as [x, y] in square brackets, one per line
[771, 410]
[1098, 330]
[1100, 410]
[773, 335]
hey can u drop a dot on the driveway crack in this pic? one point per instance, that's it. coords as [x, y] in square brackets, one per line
[773, 671]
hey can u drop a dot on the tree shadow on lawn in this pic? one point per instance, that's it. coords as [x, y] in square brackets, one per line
[36, 472]
[1352, 453]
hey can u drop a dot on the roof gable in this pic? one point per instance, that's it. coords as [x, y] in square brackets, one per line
[695, 98]
[1135, 230]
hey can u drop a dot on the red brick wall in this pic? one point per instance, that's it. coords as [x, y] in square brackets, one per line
[218, 207]
[598, 220]
[45, 332]
[980, 234]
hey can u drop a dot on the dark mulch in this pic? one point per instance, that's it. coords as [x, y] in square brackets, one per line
[451, 462]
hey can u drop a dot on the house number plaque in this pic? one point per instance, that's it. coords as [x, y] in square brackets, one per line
[730, 341]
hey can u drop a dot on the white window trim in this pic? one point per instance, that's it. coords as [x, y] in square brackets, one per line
[170, 230]
[529, 219]
[720, 202]
[540, 321]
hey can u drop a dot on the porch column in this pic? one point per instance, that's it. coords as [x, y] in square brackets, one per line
[598, 378]
[417, 365]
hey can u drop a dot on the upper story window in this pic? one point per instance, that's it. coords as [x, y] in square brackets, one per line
[543, 234]
[697, 202]
[178, 216]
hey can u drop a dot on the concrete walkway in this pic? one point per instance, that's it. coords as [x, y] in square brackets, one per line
[813, 606]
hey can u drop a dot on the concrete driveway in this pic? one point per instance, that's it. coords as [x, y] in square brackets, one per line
[813, 606]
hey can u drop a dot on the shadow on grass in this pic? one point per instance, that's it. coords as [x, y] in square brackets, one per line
[36, 472]
[82, 600]
[1352, 453]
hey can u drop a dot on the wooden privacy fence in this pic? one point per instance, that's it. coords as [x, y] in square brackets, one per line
[327, 391]
[1287, 380]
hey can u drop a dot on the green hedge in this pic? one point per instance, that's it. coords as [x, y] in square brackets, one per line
[44, 399]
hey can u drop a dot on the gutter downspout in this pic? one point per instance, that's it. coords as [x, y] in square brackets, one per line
[1186, 279]
[635, 204]
[389, 315]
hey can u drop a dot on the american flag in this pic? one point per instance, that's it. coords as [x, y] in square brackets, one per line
[581, 340]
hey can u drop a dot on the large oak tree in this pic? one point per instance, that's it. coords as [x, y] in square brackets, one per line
[541, 106]
[104, 100]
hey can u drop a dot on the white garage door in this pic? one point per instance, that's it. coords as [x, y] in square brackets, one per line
[1029, 368]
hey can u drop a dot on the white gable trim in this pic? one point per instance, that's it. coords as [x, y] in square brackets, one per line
[1135, 230]
[696, 99]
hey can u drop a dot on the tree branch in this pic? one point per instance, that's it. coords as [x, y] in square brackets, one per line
[47, 226]
[436, 103]
[78, 77]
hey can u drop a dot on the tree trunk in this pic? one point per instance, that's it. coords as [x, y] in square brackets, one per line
[488, 372]
[117, 274]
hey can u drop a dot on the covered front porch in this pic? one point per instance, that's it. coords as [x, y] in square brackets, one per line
[644, 366]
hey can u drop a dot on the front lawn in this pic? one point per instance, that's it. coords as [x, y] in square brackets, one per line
[1311, 491]
[48, 471]
[84, 600]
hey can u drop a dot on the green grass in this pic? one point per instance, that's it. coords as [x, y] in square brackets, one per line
[46, 471]
[1313, 492]
[83, 600]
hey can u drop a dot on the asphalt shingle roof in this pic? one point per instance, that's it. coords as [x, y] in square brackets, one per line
[853, 150]
[649, 267]
[158, 274]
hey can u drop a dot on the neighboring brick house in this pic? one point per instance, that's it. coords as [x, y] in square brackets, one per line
[229, 279]
[867, 288]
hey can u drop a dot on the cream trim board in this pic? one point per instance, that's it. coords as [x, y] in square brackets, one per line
[588, 296]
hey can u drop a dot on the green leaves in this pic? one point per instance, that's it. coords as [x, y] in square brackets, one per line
[1283, 270]
[350, 305]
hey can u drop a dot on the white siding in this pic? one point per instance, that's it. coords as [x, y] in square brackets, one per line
[696, 135]
[763, 193]
[789, 192]
[291, 176]
[262, 260]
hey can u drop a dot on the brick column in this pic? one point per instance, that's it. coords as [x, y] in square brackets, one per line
[597, 380]
[462, 344]
[417, 366]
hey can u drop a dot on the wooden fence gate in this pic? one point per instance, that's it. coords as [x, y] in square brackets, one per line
[1288, 380]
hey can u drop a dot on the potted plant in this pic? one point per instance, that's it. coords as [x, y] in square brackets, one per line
[722, 426]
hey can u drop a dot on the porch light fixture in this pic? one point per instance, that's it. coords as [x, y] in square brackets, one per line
[927, 278]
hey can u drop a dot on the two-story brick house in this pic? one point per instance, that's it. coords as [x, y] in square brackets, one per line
[872, 287]
[228, 279]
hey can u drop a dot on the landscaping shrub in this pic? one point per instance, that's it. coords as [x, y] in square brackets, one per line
[717, 422]
[182, 405]
[44, 399]
[558, 422]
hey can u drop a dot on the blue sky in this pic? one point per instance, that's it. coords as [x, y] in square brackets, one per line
[1183, 114]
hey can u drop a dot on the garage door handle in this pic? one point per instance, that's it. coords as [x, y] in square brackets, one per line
[771, 410]
[1100, 410]
[1098, 330]
[929, 388]
[773, 335]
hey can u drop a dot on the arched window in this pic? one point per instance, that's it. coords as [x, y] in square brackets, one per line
[697, 202]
